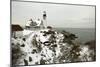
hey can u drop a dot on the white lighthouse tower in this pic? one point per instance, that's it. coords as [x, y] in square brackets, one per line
[45, 19]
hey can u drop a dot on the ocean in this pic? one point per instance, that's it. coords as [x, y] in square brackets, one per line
[83, 34]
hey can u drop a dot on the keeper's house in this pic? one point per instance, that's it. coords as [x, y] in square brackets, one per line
[34, 24]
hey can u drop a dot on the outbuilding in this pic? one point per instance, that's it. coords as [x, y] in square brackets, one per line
[16, 29]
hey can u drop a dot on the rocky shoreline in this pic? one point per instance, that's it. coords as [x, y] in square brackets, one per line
[47, 46]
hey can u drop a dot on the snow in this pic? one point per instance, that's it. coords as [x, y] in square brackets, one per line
[46, 53]
[26, 32]
[28, 23]
[84, 50]
[45, 49]
[38, 22]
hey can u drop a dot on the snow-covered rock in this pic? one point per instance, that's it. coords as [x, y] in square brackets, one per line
[47, 46]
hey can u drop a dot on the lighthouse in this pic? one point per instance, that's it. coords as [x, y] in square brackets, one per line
[45, 18]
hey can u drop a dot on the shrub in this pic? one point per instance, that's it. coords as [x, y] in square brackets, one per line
[16, 53]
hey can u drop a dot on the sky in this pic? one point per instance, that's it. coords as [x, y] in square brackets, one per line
[58, 15]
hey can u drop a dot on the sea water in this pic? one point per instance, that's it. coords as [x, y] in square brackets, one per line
[83, 34]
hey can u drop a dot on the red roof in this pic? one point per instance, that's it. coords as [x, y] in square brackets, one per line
[16, 27]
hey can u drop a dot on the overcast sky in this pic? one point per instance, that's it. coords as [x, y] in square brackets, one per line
[58, 15]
